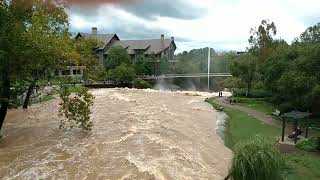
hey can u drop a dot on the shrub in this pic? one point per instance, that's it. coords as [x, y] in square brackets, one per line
[122, 74]
[256, 160]
[76, 109]
[255, 93]
[141, 84]
[310, 144]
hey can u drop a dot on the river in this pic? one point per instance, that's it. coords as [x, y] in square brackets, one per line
[137, 134]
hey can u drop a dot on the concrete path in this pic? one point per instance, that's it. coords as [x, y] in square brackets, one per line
[267, 119]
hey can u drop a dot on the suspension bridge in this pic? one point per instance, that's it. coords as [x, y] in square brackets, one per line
[189, 75]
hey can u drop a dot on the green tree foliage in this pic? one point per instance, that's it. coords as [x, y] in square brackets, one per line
[262, 38]
[291, 73]
[122, 74]
[272, 69]
[34, 37]
[75, 108]
[141, 84]
[196, 61]
[256, 160]
[86, 49]
[311, 35]
[142, 67]
[164, 66]
[244, 68]
[48, 43]
[116, 56]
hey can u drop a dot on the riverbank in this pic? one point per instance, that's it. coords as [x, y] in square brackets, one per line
[240, 127]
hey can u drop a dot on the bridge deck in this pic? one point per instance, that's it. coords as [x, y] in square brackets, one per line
[170, 76]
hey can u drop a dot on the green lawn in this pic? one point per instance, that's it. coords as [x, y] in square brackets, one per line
[257, 104]
[240, 127]
[303, 166]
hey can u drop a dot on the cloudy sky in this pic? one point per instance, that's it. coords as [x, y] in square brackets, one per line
[220, 24]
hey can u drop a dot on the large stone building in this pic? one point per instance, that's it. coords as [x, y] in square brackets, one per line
[154, 49]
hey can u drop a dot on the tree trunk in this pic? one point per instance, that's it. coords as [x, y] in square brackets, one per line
[27, 100]
[3, 112]
[228, 177]
[248, 89]
[5, 100]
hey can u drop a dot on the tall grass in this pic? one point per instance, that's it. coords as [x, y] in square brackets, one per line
[257, 159]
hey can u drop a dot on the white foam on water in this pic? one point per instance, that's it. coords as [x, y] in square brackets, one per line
[162, 135]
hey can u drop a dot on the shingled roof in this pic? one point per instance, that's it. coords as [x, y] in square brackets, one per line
[152, 46]
[105, 38]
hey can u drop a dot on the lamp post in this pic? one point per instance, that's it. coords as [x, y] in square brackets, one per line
[209, 69]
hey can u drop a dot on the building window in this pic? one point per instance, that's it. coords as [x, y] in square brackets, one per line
[66, 72]
[56, 72]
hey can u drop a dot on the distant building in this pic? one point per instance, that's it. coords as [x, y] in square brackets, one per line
[155, 49]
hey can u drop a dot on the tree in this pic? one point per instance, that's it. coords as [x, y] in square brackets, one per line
[256, 159]
[33, 35]
[76, 109]
[122, 74]
[244, 68]
[11, 33]
[86, 48]
[142, 67]
[164, 66]
[311, 35]
[117, 55]
[262, 38]
[48, 44]
[275, 65]
[301, 72]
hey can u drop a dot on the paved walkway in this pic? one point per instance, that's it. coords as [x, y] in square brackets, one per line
[267, 119]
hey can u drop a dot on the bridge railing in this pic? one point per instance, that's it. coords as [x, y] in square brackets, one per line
[167, 76]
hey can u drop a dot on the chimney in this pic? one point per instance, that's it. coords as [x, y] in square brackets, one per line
[162, 41]
[94, 30]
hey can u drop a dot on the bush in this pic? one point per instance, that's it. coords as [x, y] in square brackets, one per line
[257, 160]
[141, 84]
[310, 144]
[122, 74]
[286, 107]
[255, 93]
[76, 109]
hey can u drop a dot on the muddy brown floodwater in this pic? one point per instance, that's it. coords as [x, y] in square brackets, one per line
[137, 134]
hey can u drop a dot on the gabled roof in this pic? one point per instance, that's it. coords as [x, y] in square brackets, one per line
[105, 38]
[152, 46]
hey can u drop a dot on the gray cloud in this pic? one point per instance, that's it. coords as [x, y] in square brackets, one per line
[165, 8]
[147, 9]
[127, 30]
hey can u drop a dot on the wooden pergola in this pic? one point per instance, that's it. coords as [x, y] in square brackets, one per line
[296, 116]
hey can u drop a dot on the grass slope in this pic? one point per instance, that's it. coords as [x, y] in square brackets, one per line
[240, 127]
[257, 104]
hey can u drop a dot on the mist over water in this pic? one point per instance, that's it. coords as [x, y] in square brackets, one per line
[189, 84]
[137, 134]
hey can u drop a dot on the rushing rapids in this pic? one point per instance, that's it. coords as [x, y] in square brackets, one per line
[137, 134]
